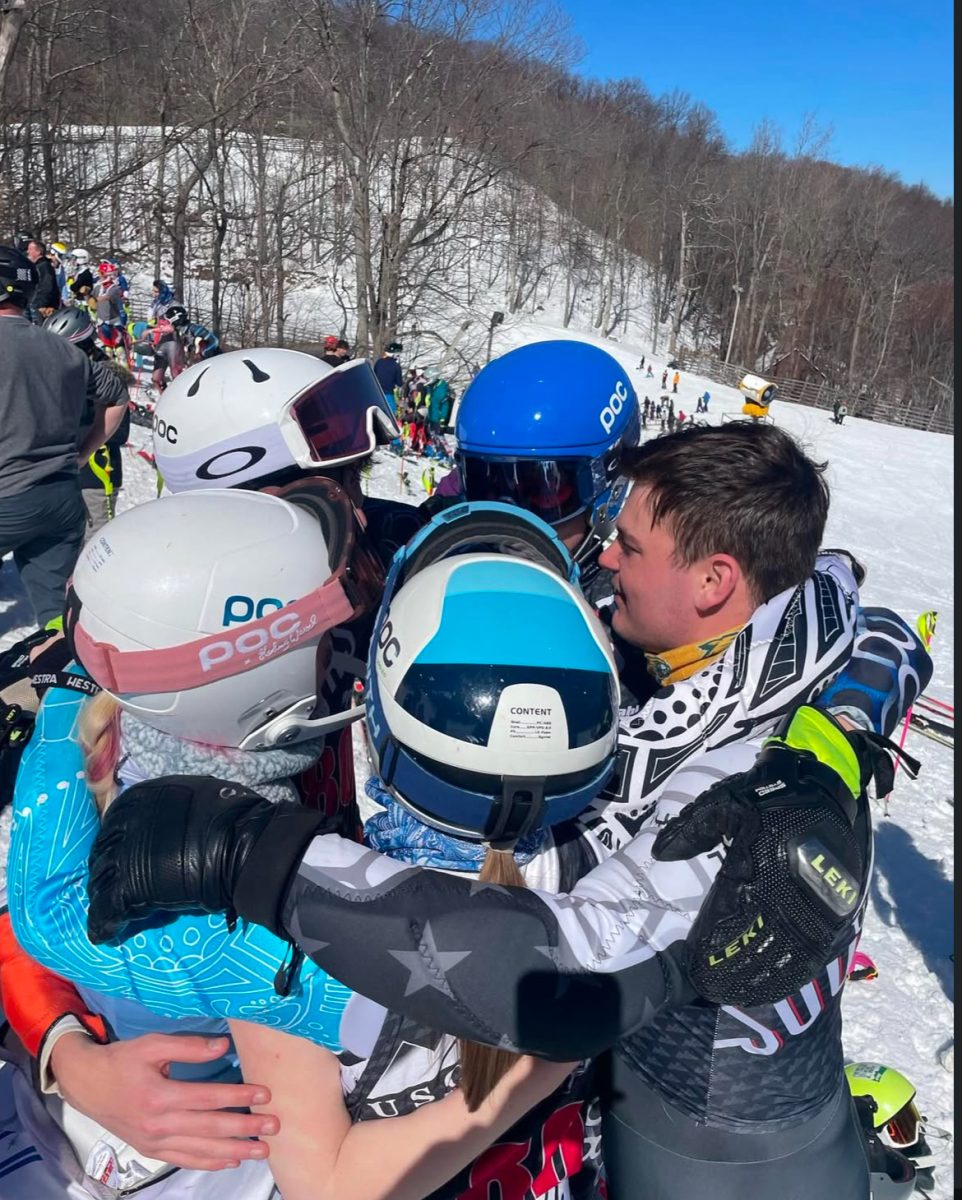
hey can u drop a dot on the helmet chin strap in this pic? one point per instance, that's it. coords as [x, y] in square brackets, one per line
[296, 724]
[599, 533]
[601, 523]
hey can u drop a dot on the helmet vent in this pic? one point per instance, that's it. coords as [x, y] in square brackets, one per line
[257, 374]
[195, 386]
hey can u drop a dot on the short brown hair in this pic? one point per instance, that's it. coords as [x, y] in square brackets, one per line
[743, 489]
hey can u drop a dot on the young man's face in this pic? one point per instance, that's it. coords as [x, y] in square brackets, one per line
[34, 253]
[654, 594]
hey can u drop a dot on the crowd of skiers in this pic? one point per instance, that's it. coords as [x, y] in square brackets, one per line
[196, 734]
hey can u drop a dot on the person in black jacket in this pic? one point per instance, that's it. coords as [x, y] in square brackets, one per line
[46, 297]
[101, 476]
[45, 387]
[388, 372]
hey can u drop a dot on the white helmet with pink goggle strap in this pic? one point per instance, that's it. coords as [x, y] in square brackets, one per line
[243, 416]
[208, 614]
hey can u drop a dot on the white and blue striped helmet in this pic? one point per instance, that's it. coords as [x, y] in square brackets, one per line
[492, 693]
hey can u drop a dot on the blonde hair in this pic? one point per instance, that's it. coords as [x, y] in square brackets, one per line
[483, 1066]
[99, 732]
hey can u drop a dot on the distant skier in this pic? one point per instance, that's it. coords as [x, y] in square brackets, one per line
[168, 353]
[675, 380]
[163, 298]
[664, 379]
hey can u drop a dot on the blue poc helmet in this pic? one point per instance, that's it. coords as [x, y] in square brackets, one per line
[492, 693]
[543, 427]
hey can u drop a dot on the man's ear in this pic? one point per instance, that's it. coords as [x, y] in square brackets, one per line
[719, 578]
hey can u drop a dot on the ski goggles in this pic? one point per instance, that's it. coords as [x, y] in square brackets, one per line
[904, 1129]
[554, 489]
[481, 528]
[342, 416]
[351, 590]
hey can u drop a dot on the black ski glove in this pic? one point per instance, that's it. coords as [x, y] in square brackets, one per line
[16, 728]
[15, 660]
[798, 837]
[47, 669]
[192, 842]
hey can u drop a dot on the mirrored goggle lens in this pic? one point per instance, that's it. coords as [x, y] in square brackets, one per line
[342, 415]
[903, 1128]
[548, 488]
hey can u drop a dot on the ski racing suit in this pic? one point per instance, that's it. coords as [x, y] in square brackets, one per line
[791, 648]
[247, 988]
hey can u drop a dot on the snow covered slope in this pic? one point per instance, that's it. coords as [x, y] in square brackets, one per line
[892, 506]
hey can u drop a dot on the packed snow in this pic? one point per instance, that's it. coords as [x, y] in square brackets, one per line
[892, 507]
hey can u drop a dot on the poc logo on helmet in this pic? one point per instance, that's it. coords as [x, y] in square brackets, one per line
[167, 433]
[238, 609]
[249, 641]
[614, 406]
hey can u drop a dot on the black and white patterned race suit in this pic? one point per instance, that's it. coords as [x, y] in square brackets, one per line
[568, 976]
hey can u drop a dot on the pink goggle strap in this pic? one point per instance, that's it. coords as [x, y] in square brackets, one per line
[219, 655]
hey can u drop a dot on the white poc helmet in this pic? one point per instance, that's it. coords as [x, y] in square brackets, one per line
[248, 414]
[492, 693]
[80, 256]
[207, 614]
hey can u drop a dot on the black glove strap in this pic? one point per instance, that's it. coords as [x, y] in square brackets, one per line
[261, 887]
[873, 750]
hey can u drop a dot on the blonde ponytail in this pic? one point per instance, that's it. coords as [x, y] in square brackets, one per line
[483, 1066]
[100, 742]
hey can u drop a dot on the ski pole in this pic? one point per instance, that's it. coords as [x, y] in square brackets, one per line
[926, 627]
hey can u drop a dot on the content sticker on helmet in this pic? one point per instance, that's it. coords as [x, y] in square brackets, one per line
[530, 713]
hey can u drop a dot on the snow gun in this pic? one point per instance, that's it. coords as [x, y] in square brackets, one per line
[758, 394]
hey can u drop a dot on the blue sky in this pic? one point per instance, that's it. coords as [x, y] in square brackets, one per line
[879, 72]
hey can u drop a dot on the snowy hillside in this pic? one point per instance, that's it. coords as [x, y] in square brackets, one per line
[892, 507]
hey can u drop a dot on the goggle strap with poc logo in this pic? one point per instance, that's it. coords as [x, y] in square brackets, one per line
[350, 591]
[219, 655]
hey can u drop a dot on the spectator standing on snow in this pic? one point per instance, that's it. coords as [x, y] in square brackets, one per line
[388, 372]
[439, 405]
[56, 254]
[80, 281]
[162, 299]
[101, 476]
[168, 353]
[649, 374]
[330, 355]
[675, 380]
[46, 297]
[46, 386]
[108, 296]
[641, 365]
[664, 378]
[336, 351]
